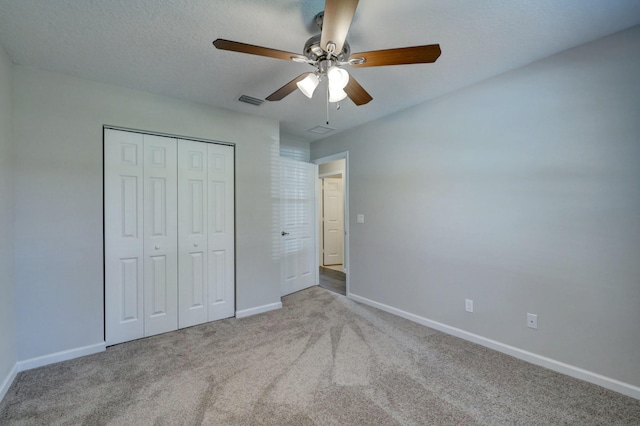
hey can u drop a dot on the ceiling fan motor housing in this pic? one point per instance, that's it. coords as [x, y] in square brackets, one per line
[314, 52]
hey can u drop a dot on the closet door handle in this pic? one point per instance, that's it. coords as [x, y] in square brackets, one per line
[284, 233]
[157, 247]
[195, 244]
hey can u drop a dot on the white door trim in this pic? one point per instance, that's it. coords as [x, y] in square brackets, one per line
[168, 135]
[345, 174]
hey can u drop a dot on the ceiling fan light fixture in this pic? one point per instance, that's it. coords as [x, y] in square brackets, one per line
[338, 77]
[308, 84]
[336, 94]
[328, 51]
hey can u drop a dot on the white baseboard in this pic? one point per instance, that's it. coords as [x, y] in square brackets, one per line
[258, 310]
[551, 364]
[40, 361]
[6, 383]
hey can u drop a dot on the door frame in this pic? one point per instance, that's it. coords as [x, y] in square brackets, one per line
[345, 188]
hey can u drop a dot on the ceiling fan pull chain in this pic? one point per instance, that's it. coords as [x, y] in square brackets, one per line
[327, 104]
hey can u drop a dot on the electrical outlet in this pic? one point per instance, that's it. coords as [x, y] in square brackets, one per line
[532, 321]
[468, 305]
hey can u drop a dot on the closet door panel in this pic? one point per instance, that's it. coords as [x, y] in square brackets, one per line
[169, 234]
[192, 233]
[161, 235]
[124, 236]
[221, 235]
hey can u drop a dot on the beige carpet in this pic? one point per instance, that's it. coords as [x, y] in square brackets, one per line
[323, 360]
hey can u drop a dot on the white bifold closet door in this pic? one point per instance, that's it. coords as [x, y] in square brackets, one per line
[162, 258]
[160, 229]
[205, 232]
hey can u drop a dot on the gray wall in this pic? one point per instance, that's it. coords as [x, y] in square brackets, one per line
[521, 193]
[7, 313]
[58, 199]
[295, 148]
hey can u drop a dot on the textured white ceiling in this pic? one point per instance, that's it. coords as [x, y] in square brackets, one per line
[164, 46]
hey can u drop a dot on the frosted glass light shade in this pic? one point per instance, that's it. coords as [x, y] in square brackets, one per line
[336, 94]
[338, 78]
[308, 84]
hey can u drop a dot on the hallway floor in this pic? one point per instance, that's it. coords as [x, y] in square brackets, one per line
[334, 267]
[333, 280]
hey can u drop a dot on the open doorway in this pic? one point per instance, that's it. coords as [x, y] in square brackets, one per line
[333, 225]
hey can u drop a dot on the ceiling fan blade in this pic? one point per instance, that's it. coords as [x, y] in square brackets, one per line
[356, 93]
[400, 56]
[251, 49]
[287, 89]
[338, 15]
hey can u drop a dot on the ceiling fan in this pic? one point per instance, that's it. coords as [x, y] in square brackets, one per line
[329, 52]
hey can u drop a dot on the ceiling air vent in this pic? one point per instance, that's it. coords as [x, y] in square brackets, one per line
[249, 100]
[321, 130]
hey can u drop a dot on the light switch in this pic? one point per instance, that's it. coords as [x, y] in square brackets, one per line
[360, 218]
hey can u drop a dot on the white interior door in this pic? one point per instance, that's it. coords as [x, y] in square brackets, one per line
[221, 278]
[192, 233]
[332, 206]
[160, 235]
[298, 194]
[124, 236]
